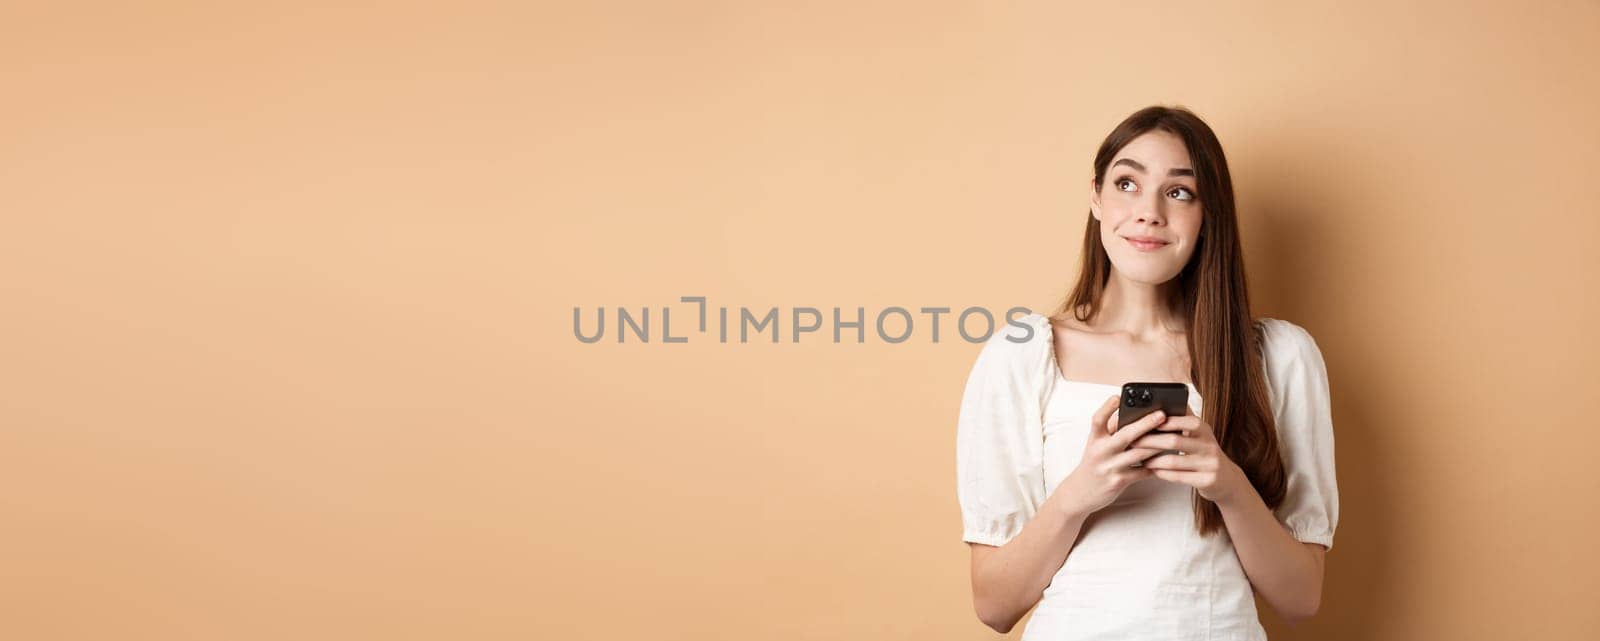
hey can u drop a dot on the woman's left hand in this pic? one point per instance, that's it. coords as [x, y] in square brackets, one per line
[1202, 465]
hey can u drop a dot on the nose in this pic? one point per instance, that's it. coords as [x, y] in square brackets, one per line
[1150, 213]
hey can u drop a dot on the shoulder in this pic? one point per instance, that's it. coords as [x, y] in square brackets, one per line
[1021, 345]
[1283, 341]
[1291, 355]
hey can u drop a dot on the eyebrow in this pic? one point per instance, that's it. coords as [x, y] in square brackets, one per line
[1181, 171]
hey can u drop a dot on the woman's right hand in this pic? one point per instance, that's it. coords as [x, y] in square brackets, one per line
[1105, 469]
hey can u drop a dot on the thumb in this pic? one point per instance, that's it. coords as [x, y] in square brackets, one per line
[1098, 426]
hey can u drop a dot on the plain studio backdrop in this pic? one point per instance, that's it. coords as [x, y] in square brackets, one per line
[286, 348]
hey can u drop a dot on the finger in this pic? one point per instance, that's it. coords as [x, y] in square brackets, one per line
[1125, 436]
[1129, 457]
[1135, 474]
[1102, 416]
[1170, 442]
[1175, 462]
[1191, 479]
[1189, 425]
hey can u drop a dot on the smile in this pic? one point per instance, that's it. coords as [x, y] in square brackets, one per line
[1146, 245]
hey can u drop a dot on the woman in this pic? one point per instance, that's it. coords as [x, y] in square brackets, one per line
[1242, 500]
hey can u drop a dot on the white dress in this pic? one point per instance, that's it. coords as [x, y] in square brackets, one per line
[1139, 568]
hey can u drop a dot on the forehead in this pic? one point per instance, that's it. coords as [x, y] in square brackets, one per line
[1157, 150]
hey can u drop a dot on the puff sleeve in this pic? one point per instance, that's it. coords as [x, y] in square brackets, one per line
[1297, 383]
[1000, 434]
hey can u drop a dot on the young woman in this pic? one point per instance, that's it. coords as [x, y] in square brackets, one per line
[1052, 506]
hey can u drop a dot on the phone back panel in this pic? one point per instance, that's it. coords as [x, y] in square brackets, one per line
[1140, 399]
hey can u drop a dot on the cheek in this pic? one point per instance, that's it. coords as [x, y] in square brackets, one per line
[1113, 212]
[1188, 226]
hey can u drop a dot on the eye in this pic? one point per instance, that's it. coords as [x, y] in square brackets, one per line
[1119, 182]
[1185, 190]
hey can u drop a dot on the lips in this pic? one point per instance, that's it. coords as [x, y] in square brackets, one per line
[1145, 243]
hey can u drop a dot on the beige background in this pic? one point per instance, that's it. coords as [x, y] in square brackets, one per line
[287, 346]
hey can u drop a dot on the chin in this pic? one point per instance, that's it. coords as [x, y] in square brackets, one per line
[1147, 274]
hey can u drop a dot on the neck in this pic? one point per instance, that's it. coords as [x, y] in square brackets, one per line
[1138, 309]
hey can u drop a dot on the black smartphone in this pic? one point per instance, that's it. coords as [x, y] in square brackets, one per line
[1140, 399]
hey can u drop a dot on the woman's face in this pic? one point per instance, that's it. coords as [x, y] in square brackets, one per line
[1149, 193]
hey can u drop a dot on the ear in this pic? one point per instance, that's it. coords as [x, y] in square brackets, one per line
[1094, 199]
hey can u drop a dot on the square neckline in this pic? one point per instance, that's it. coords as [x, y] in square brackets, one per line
[1055, 364]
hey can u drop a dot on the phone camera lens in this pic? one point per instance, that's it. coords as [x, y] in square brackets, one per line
[1136, 397]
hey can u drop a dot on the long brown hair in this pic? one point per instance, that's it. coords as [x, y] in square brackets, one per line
[1224, 341]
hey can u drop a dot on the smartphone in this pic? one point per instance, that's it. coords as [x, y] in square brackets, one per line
[1140, 399]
